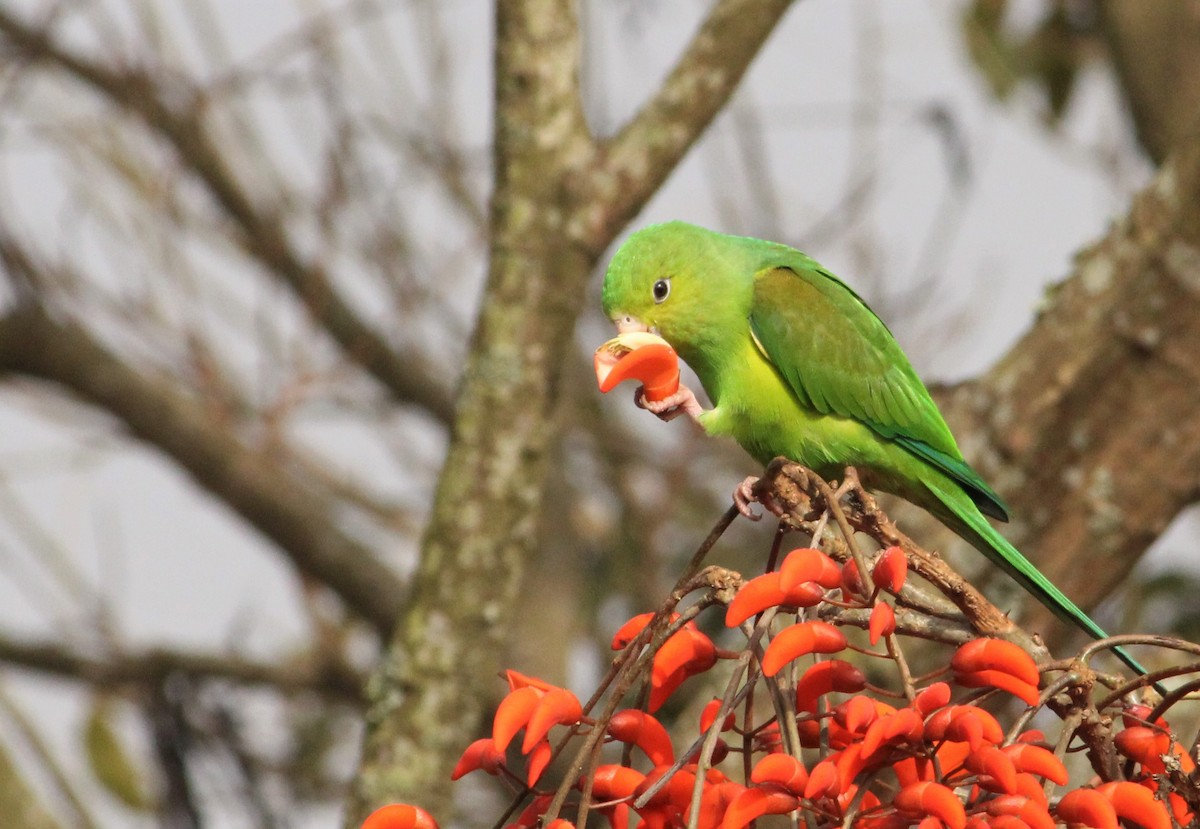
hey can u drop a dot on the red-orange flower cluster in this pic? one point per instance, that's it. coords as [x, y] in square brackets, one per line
[533, 705]
[824, 742]
[684, 654]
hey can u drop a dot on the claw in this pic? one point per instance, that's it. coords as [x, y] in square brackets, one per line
[850, 482]
[744, 496]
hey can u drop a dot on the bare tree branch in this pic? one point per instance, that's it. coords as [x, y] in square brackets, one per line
[35, 344]
[182, 123]
[633, 164]
[150, 667]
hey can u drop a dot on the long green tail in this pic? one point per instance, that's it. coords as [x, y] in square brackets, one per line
[966, 520]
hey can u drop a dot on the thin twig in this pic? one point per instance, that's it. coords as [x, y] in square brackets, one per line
[625, 676]
[834, 506]
[906, 680]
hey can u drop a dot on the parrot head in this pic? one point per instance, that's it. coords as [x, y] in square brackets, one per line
[686, 284]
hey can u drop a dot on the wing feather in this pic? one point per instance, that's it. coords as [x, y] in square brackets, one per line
[839, 358]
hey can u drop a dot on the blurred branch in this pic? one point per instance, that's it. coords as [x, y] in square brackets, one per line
[1153, 48]
[174, 745]
[1088, 426]
[633, 164]
[254, 785]
[150, 667]
[450, 165]
[252, 483]
[176, 111]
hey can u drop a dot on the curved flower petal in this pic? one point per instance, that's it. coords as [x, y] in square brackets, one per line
[399, 816]
[995, 655]
[890, 570]
[800, 639]
[645, 732]
[932, 799]
[808, 564]
[1087, 807]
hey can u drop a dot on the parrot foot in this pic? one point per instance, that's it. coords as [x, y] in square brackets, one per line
[850, 482]
[681, 402]
[744, 496]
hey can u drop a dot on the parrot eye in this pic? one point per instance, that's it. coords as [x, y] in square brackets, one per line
[661, 289]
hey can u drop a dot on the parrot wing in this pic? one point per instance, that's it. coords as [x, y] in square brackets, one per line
[840, 359]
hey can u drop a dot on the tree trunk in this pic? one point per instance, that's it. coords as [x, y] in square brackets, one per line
[560, 198]
[1155, 50]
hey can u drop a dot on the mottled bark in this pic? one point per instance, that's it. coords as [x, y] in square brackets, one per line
[427, 698]
[560, 197]
[1092, 421]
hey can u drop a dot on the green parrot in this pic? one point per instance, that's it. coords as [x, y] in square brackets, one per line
[797, 365]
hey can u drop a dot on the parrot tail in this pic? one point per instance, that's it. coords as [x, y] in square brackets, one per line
[967, 521]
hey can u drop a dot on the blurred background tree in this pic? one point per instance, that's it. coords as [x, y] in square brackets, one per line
[297, 306]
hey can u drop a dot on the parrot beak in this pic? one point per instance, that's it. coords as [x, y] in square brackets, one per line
[628, 324]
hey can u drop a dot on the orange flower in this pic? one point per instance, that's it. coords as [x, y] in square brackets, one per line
[890, 570]
[686, 653]
[755, 802]
[481, 754]
[535, 707]
[782, 770]
[1000, 771]
[1033, 813]
[1087, 807]
[629, 631]
[933, 800]
[1037, 760]
[766, 591]
[709, 715]
[903, 725]
[996, 663]
[964, 723]
[638, 356]
[400, 816]
[1136, 803]
[1004, 681]
[645, 732]
[932, 698]
[801, 639]
[883, 622]
[613, 782]
[824, 677]
[806, 564]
